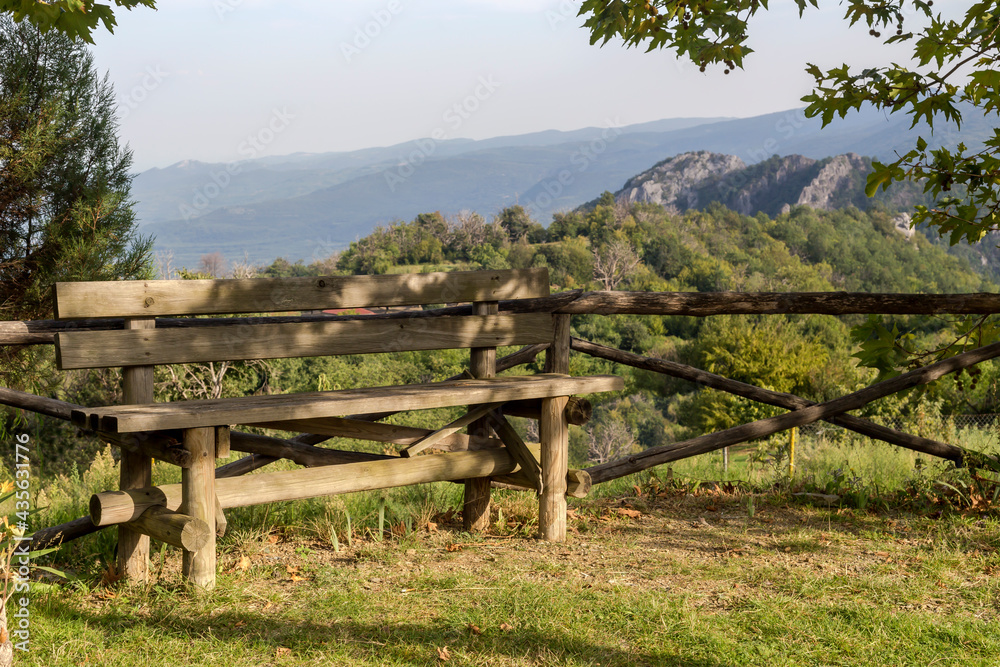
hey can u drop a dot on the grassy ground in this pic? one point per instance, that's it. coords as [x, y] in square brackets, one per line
[662, 578]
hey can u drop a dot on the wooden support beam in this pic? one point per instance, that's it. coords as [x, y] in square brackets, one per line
[482, 365]
[578, 482]
[222, 442]
[702, 304]
[136, 467]
[361, 429]
[788, 401]
[554, 436]
[173, 528]
[221, 522]
[113, 507]
[578, 410]
[296, 451]
[40, 404]
[525, 458]
[434, 437]
[63, 533]
[163, 446]
[703, 444]
[198, 501]
[557, 355]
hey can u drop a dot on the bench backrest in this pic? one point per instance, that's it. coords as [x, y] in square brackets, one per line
[146, 300]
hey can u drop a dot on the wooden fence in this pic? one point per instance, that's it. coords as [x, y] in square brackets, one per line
[303, 449]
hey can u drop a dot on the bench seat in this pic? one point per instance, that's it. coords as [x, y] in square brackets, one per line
[314, 405]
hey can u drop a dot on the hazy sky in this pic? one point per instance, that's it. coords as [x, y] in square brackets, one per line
[197, 79]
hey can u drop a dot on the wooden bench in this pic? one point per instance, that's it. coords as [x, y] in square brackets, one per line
[194, 433]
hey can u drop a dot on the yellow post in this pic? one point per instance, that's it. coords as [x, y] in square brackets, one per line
[791, 451]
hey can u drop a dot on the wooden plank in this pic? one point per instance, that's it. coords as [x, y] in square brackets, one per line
[257, 409]
[136, 467]
[434, 437]
[147, 298]
[554, 436]
[118, 506]
[198, 501]
[102, 349]
[360, 429]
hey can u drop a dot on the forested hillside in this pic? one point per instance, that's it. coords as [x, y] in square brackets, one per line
[638, 246]
[616, 245]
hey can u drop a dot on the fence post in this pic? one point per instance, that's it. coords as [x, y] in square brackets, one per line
[483, 364]
[135, 470]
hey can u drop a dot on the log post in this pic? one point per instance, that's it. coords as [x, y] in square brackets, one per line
[483, 364]
[136, 469]
[557, 354]
[198, 501]
[553, 434]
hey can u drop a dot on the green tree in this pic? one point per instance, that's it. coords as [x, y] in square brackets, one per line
[74, 18]
[952, 76]
[65, 208]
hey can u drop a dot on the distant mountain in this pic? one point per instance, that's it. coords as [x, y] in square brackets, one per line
[307, 206]
[772, 187]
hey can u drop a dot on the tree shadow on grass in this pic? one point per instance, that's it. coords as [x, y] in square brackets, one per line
[270, 639]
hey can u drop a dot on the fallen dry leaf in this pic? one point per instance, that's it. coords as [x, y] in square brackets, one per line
[506, 627]
[432, 527]
[475, 629]
[624, 511]
[444, 655]
[282, 652]
[107, 594]
[242, 565]
[273, 538]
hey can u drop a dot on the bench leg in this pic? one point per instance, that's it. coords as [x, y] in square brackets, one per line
[133, 547]
[554, 435]
[483, 364]
[198, 501]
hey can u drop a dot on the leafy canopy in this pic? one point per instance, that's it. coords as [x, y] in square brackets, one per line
[951, 74]
[75, 18]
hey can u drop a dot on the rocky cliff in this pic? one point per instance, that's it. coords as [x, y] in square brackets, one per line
[694, 180]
